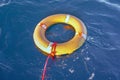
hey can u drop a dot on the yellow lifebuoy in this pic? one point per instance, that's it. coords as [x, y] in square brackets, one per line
[44, 45]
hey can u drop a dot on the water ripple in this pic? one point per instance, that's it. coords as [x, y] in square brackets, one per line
[108, 3]
[5, 67]
[102, 14]
[0, 31]
[103, 44]
[4, 2]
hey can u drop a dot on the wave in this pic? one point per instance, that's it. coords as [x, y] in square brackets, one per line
[113, 5]
[4, 2]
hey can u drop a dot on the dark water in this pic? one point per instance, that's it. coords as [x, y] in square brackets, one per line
[97, 59]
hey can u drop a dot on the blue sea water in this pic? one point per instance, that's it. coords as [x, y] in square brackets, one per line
[97, 59]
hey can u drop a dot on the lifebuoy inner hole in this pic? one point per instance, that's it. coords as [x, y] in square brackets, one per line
[60, 33]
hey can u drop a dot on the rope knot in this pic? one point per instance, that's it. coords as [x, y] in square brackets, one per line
[53, 50]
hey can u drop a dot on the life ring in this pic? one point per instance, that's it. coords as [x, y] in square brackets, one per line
[44, 45]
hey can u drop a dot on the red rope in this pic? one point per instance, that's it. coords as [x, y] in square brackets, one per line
[52, 55]
[44, 70]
